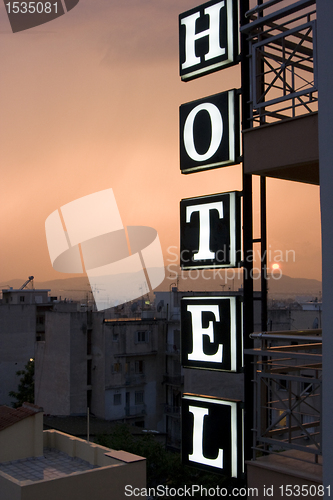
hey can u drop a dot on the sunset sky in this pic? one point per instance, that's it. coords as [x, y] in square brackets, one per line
[90, 101]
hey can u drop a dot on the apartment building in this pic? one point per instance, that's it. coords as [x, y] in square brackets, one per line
[124, 368]
[124, 364]
[22, 321]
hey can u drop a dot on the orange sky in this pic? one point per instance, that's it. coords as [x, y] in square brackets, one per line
[90, 101]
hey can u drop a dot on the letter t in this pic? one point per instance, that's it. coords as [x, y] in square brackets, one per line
[204, 227]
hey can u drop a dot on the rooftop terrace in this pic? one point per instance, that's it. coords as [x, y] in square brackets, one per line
[52, 465]
[71, 468]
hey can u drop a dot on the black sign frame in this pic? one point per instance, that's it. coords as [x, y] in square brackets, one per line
[222, 429]
[223, 249]
[228, 39]
[219, 331]
[196, 127]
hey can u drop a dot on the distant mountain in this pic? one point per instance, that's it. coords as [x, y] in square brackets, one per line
[283, 287]
[290, 287]
[207, 280]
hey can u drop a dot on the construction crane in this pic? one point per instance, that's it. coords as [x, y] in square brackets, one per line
[31, 278]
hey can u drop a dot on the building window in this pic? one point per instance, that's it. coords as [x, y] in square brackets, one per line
[141, 336]
[22, 298]
[89, 342]
[115, 337]
[139, 366]
[117, 399]
[138, 397]
[281, 418]
[116, 368]
[307, 386]
[282, 385]
[308, 419]
[89, 371]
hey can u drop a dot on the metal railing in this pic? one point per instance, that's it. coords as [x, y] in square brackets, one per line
[288, 385]
[282, 59]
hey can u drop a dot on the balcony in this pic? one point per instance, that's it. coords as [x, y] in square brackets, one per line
[135, 380]
[283, 91]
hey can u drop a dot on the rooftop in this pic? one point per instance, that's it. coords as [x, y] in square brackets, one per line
[53, 464]
[65, 467]
[25, 290]
[9, 416]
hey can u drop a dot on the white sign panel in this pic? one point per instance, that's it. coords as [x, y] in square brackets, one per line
[211, 329]
[210, 231]
[208, 38]
[210, 132]
[212, 434]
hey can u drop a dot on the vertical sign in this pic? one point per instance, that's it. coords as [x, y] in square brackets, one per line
[209, 132]
[212, 434]
[211, 327]
[208, 38]
[211, 330]
[210, 231]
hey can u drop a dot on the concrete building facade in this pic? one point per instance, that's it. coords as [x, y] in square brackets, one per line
[124, 368]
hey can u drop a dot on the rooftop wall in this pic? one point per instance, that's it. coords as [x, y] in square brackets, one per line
[107, 482]
[22, 440]
[75, 447]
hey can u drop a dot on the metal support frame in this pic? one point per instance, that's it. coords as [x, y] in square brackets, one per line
[279, 80]
[263, 236]
[283, 60]
[248, 240]
[288, 392]
[248, 251]
[288, 60]
[325, 127]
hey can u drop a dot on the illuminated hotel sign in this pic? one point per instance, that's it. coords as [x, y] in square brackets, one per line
[212, 434]
[211, 326]
[208, 38]
[211, 333]
[210, 231]
[209, 132]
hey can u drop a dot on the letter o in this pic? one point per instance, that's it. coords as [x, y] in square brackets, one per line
[217, 131]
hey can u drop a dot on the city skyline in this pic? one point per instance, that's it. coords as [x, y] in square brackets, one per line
[90, 102]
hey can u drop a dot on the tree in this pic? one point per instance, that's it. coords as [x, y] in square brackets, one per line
[26, 387]
[163, 467]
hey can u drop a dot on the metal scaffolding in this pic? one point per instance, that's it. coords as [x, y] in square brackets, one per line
[288, 386]
[282, 59]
